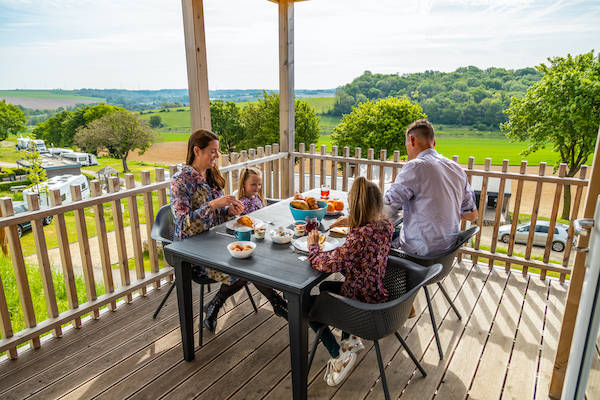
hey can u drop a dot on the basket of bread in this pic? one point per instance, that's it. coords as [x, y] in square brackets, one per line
[307, 207]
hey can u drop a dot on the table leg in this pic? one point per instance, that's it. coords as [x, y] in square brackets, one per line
[298, 331]
[183, 279]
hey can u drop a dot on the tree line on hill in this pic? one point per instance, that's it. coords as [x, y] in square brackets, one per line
[468, 96]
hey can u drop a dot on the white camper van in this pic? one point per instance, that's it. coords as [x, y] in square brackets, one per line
[81, 158]
[58, 151]
[63, 183]
[30, 144]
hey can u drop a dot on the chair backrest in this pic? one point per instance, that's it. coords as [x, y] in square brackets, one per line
[446, 258]
[403, 280]
[163, 229]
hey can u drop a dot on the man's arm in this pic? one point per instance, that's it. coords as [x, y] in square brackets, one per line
[401, 190]
[469, 215]
[468, 208]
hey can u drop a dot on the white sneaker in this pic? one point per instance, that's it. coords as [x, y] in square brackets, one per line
[353, 344]
[338, 368]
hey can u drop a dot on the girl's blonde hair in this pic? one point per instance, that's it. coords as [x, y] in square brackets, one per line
[247, 173]
[365, 203]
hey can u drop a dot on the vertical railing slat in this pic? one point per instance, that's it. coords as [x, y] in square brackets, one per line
[276, 170]
[136, 235]
[149, 214]
[323, 169]
[159, 173]
[515, 218]
[5, 323]
[301, 149]
[574, 215]
[334, 167]
[65, 255]
[346, 170]
[18, 262]
[37, 227]
[102, 236]
[224, 163]
[370, 156]
[463, 223]
[482, 206]
[260, 154]
[357, 155]
[395, 169]
[557, 193]
[84, 249]
[534, 215]
[114, 186]
[235, 174]
[382, 157]
[499, 205]
[311, 167]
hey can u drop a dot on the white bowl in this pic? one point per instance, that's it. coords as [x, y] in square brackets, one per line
[243, 253]
[276, 238]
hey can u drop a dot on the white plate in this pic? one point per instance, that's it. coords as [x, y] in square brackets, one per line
[301, 244]
[234, 225]
[333, 213]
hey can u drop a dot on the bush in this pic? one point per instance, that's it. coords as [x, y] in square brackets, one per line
[7, 185]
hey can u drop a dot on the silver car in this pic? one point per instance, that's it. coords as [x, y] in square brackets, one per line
[540, 236]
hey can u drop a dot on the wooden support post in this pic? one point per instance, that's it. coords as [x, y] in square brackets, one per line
[113, 187]
[323, 171]
[557, 193]
[357, 155]
[334, 164]
[534, 215]
[37, 226]
[18, 262]
[574, 215]
[260, 153]
[482, 206]
[159, 173]
[136, 236]
[301, 149]
[395, 169]
[149, 214]
[276, 173]
[286, 94]
[515, 218]
[570, 314]
[5, 323]
[311, 167]
[499, 203]
[195, 54]
[267, 177]
[103, 243]
[383, 158]
[346, 170]
[65, 255]
[463, 223]
[84, 249]
[370, 156]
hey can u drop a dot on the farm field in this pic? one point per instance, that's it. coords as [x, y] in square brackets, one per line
[45, 99]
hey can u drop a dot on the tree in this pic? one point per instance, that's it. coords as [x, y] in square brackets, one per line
[155, 121]
[226, 122]
[261, 122]
[36, 173]
[117, 133]
[561, 110]
[379, 125]
[12, 120]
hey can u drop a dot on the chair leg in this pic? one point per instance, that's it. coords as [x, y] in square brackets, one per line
[162, 303]
[250, 297]
[410, 354]
[201, 314]
[315, 344]
[382, 371]
[435, 330]
[449, 300]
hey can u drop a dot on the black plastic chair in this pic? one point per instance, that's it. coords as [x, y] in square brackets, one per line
[447, 261]
[403, 279]
[163, 231]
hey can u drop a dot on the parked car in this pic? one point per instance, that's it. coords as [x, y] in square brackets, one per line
[21, 207]
[559, 240]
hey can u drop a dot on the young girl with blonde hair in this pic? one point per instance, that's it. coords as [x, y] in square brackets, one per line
[362, 259]
[250, 190]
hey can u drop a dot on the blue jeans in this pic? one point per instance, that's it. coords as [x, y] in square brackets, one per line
[329, 341]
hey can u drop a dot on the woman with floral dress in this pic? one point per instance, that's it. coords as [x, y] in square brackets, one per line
[198, 203]
[362, 259]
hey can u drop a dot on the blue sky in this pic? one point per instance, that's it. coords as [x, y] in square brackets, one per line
[138, 44]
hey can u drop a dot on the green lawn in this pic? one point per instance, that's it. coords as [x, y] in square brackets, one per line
[45, 94]
[135, 167]
[320, 104]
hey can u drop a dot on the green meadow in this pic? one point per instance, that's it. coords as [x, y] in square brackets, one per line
[45, 94]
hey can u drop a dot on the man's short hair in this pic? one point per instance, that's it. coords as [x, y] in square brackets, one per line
[422, 129]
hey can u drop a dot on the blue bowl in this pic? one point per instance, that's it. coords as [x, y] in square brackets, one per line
[301, 215]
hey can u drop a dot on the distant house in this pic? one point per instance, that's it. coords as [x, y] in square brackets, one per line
[54, 167]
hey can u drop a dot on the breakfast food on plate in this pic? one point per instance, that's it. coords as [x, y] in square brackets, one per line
[322, 239]
[330, 207]
[298, 196]
[300, 204]
[281, 232]
[313, 204]
[246, 221]
[342, 230]
[334, 205]
[247, 247]
[237, 247]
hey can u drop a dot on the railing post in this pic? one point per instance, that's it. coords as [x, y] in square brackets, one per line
[103, 243]
[334, 152]
[84, 249]
[235, 173]
[136, 237]
[267, 177]
[276, 172]
[357, 155]
[323, 170]
[5, 323]
[114, 186]
[499, 203]
[557, 193]
[16, 255]
[382, 157]
[162, 193]
[149, 213]
[346, 167]
[463, 223]
[534, 215]
[395, 169]
[37, 226]
[260, 154]
[311, 167]
[482, 206]
[301, 149]
[574, 215]
[515, 218]
[65, 255]
[370, 157]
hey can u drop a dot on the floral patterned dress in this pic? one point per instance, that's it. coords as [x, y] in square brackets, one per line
[251, 204]
[190, 194]
[362, 259]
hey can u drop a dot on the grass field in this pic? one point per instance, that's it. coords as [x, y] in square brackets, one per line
[44, 94]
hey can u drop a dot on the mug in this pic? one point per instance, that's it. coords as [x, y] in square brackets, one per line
[242, 235]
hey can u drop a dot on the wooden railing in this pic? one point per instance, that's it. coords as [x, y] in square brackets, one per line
[153, 196]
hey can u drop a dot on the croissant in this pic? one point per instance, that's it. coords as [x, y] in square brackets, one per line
[312, 203]
[300, 204]
[246, 221]
[298, 196]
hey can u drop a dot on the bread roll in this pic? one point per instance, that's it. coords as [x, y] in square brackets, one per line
[300, 204]
[312, 203]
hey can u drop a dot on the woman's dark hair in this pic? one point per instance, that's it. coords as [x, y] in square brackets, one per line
[201, 139]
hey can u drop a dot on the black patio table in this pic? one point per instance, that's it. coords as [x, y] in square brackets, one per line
[273, 265]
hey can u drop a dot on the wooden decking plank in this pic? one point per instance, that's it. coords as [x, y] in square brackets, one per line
[450, 330]
[557, 296]
[73, 340]
[107, 352]
[234, 346]
[122, 370]
[488, 381]
[463, 359]
[522, 370]
[43, 371]
[401, 372]
[236, 378]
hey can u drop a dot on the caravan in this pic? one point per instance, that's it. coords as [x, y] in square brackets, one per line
[63, 183]
[30, 144]
[58, 151]
[84, 159]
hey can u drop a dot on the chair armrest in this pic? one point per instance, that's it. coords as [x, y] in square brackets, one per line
[271, 201]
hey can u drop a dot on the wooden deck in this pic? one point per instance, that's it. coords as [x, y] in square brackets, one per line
[502, 348]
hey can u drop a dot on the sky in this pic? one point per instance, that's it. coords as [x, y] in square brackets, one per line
[139, 44]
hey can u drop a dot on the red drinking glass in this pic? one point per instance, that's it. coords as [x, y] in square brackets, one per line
[324, 191]
[311, 223]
